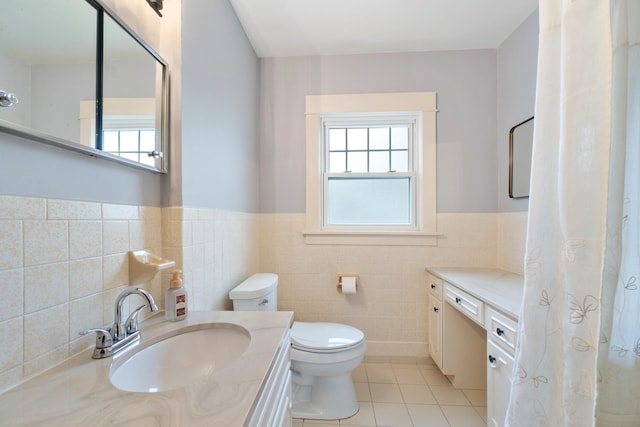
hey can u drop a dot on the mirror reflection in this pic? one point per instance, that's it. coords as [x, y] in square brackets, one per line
[50, 71]
[51, 62]
[520, 152]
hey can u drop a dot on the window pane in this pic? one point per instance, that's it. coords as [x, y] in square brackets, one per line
[400, 138]
[356, 139]
[130, 156]
[337, 139]
[379, 139]
[369, 201]
[379, 161]
[147, 160]
[110, 141]
[400, 161]
[147, 140]
[357, 162]
[337, 162]
[129, 140]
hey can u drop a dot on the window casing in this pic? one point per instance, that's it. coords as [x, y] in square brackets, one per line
[371, 169]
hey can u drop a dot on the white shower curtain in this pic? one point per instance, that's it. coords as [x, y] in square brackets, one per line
[578, 356]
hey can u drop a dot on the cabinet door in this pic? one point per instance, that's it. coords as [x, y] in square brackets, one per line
[435, 330]
[499, 369]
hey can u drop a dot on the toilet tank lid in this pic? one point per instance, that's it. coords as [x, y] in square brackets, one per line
[256, 286]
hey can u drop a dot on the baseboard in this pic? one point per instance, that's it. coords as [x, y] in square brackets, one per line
[397, 349]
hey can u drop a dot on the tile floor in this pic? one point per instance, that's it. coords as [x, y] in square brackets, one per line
[409, 393]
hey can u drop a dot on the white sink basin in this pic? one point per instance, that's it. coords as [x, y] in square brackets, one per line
[181, 359]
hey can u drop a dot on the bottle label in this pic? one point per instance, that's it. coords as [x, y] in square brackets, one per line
[181, 305]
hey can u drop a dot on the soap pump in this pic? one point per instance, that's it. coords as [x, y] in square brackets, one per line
[175, 298]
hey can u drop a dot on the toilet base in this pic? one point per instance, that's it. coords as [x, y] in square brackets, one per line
[326, 398]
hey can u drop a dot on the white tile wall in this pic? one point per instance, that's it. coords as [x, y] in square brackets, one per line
[512, 237]
[62, 263]
[217, 250]
[390, 306]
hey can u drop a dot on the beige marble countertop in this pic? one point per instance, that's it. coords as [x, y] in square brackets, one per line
[79, 393]
[498, 288]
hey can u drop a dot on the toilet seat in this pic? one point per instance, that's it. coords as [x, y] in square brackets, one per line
[322, 337]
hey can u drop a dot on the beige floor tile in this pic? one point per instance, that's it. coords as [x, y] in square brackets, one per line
[462, 416]
[416, 393]
[476, 397]
[364, 417]
[296, 422]
[427, 416]
[386, 393]
[359, 375]
[380, 374]
[482, 411]
[408, 375]
[392, 414]
[449, 396]
[362, 392]
[434, 377]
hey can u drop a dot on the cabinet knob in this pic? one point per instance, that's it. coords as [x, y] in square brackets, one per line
[492, 360]
[500, 332]
[435, 309]
[458, 300]
[433, 286]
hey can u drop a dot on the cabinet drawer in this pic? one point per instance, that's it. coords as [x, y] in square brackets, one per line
[435, 286]
[470, 306]
[499, 379]
[502, 329]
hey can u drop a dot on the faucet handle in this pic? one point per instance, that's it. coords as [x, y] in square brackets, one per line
[103, 337]
[131, 324]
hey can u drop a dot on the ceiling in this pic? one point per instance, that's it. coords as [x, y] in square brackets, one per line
[278, 28]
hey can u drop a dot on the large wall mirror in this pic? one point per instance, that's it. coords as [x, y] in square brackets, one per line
[520, 151]
[73, 75]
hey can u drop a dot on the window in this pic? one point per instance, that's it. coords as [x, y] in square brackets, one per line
[371, 169]
[131, 137]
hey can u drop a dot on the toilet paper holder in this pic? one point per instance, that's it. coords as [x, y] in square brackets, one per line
[340, 276]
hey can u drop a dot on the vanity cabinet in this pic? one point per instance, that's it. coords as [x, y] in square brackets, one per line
[473, 339]
[454, 342]
[435, 319]
[501, 344]
[273, 408]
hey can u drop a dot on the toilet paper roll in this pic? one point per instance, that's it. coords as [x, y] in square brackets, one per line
[348, 285]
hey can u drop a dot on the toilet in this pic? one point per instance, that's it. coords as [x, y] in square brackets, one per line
[322, 354]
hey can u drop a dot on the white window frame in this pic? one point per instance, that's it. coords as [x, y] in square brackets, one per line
[422, 106]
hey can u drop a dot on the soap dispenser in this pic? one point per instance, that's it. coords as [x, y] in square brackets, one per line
[175, 299]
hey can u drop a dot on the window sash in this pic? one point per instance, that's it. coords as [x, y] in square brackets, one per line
[411, 210]
[361, 121]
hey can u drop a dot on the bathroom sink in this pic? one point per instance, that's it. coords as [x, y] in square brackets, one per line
[180, 360]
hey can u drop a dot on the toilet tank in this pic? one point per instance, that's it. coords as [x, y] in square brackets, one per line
[258, 293]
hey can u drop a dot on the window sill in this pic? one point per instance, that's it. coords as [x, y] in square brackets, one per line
[371, 238]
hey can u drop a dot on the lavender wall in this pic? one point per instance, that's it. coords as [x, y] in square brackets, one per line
[517, 69]
[219, 109]
[465, 82]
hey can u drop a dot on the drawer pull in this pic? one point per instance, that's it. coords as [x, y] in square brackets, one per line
[458, 300]
[500, 332]
[492, 361]
[435, 309]
[433, 286]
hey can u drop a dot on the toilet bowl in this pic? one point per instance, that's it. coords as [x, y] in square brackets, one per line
[323, 355]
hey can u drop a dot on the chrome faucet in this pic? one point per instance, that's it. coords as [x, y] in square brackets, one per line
[122, 333]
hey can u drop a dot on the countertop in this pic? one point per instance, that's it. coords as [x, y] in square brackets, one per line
[78, 392]
[498, 288]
